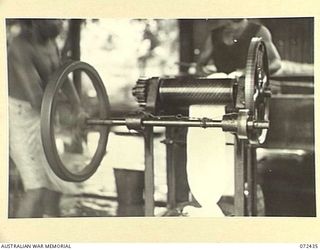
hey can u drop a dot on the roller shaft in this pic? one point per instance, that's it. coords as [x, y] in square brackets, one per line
[160, 123]
[203, 123]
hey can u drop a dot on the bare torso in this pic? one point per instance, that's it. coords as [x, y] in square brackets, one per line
[233, 32]
[30, 65]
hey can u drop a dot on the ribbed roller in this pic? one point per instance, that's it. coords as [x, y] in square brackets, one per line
[196, 91]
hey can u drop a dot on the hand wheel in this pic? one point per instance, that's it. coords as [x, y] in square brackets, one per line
[74, 150]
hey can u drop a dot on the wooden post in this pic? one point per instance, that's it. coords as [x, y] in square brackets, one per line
[171, 177]
[239, 164]
[74, 36]
[73, 45]
[186, 43]
[149, 172]
[251, 181]
[178, 188]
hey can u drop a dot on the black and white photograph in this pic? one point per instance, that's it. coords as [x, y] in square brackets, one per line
[118, 117]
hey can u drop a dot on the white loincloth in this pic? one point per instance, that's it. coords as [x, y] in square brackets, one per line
[26, 150]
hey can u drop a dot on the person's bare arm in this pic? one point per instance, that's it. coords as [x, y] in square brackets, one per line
[71, 92]
[205, 54]
[273, 55]
[68, 87]
[23, 74]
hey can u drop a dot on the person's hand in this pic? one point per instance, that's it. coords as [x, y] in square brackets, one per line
[81, 115]
[66, 117]
[236, 74]
[78, 128]
[205, 70]
[72, 117]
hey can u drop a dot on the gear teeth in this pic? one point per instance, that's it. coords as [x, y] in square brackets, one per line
[140, 92]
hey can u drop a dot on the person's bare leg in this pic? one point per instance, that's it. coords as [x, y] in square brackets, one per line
[51, 203]
[30, 205]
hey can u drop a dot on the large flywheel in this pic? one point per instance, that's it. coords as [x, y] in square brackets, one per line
[257, 89]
